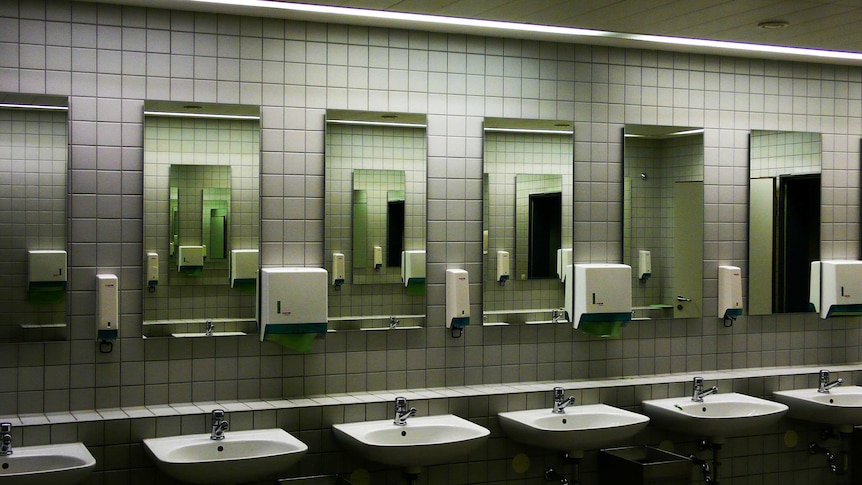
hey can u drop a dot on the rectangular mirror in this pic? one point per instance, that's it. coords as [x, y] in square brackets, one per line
[663, 219]
[201, 206]
[527, 219]
[34, 154]
[784, 219]
[375, 171]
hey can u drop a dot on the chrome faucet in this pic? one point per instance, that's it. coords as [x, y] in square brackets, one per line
[393, 322]
[220, 425]
[401, 411]
[697, 390]
[5, 439]
[560, 401]
[555, 316]
[210, 328]
[825, 385]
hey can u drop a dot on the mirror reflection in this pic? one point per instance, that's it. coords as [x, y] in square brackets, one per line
[663, 219]
[200, 211]
[375, 171]
[378, 225]
[784, 219]
[201, 216]
[34, 152]
[527, 219]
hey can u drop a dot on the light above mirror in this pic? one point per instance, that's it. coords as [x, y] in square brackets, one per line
[784, 219]
[201, 213]
[528, 219]
[663, 219]
[375, 172]
[34, 154]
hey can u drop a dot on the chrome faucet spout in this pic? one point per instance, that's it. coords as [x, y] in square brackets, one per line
[560, 401]
[219, 425]
[825, 385]
[698, 393]
[210, 328]
[5, 439]
[402, 412]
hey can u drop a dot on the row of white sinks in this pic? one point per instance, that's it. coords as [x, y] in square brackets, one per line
[254, 455]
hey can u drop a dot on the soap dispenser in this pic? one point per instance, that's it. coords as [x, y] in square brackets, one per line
[457, 300]
[502, 267]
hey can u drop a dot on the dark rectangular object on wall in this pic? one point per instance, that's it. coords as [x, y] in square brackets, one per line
[643, 465]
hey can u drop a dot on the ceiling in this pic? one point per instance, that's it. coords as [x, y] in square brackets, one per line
[832, 25]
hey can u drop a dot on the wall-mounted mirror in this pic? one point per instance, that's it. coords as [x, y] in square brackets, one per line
[784, 219]
[201, 208]
[34, 153]
[527, 219]
[375, 172]
[663, 219]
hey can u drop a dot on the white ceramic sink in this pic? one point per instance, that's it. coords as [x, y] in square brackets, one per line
[204, 334]
[839, 406]
[718, 416]
[586, 427]
[63, 464]
[242, 456]
[423, 441]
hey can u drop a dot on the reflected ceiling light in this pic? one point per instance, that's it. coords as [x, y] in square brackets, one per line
[513, 27]
[200, 115]
[43, 107]
[773, 24]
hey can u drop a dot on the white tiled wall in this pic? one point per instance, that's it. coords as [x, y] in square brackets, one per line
[108, 59]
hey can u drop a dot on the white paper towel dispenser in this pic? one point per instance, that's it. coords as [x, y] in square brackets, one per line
[602, 297]
[836, 288]
[292, 301]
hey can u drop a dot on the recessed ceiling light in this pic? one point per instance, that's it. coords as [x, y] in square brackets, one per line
[773, 24]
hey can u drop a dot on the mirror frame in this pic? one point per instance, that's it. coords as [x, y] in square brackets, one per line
[502, 305]
[769, 295]
[182, 304]
[31, 322]
[669, 302]
[374, 305]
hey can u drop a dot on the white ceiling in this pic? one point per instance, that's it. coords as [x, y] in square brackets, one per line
[833, 25]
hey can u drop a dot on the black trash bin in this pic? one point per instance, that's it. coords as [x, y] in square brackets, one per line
[643, 465]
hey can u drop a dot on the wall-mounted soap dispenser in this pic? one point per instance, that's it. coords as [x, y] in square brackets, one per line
[378, 258]
[564, 259]
[46, 276]
[729, 293]
[337, 270]
[107, 309]
[413, 271]
[644, 264]
[836, 288]
[457, 300]
[502, 267]
[152, 271]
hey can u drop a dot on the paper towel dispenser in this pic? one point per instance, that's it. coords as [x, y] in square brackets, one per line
[292, 301]
[602, 297]
[836, 288]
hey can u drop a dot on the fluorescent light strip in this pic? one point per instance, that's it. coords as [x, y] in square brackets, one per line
[200, 115]
[376, 123]
[687, 132]
[42, 107]
[528, 130]
[533, 28]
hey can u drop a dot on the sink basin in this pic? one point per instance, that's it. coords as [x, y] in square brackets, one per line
[718, 416]
[64, 464]
[242, 456]
[586, 427]
[423, 441]
[840, 406]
